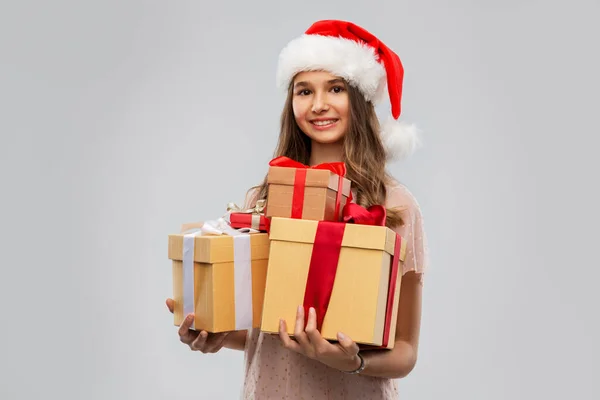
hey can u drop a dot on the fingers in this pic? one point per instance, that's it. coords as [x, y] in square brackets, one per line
[347, 345]
[314, 336]
[185, 334]
[214, 342]
[299, 325]
[300, 335]
[186, 324]
[170, 305]
[208, 343]
[285, 338]
[321, 347]
[311, 343]
[200, 341]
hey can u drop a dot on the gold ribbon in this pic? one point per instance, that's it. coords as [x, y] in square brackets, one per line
[255, 212]
[257, 209]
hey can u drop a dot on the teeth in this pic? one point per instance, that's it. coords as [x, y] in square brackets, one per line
[322, 123]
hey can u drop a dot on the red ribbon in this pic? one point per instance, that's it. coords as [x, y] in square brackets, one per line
[322, 269]
[335, 167]
[325, 257]
[239, 220]
[355, 214]
[338, 168]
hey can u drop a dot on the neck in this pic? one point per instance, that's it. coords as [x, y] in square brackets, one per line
[326, 153]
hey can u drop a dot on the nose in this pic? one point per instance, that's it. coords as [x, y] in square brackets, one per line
[320, 103]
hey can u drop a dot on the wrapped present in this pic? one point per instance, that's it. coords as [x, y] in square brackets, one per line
[253, 218]
[298, 191]
[255, 221]
[348, 271]
[219, 275]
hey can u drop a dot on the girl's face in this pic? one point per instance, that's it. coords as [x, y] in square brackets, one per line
[320, 103]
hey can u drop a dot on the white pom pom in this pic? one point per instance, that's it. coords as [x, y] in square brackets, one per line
[400, 139]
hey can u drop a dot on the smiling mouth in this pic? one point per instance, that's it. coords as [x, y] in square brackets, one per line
[324, 123]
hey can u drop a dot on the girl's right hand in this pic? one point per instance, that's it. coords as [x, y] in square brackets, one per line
[198, 341]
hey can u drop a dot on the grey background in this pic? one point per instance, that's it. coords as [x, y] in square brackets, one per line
[122, 119]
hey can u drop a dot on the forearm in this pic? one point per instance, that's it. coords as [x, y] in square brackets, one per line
[236, 340]
[394, 364]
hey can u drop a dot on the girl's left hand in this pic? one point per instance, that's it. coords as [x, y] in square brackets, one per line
[308, 341]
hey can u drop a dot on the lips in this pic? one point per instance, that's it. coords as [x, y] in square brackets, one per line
[323, 122]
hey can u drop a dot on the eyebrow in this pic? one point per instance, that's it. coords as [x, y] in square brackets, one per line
[330, 82]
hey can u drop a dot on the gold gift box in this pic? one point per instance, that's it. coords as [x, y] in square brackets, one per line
[214, 283]
[359, 297]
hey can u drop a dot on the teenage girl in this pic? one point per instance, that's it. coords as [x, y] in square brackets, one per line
[334, 74]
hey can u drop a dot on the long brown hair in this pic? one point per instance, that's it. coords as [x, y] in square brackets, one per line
[364, 153]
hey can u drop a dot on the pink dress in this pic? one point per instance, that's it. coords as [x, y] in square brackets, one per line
[273, 372]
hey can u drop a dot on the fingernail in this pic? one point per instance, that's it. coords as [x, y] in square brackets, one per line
[312, 310]
[300, 308]
[189, 317]
[341, 336]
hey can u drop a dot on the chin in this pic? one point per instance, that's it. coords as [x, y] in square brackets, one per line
[326, 137]
[328, 141]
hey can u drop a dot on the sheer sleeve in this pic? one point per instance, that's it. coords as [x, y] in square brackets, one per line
[412, 230]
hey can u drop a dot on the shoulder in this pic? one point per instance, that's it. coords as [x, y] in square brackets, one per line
[399, 196]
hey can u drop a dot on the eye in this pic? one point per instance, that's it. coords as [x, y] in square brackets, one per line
[303, 92]
[337, 89]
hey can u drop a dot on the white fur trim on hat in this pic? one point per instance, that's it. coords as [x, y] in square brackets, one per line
[355, 62]
[400, 139]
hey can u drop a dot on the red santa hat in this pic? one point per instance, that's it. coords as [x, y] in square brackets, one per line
[349, 51]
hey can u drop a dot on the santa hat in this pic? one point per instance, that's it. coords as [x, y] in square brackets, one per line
[349, 51]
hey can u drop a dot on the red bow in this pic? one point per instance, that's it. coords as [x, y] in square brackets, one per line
[283, 161]
[356, 214]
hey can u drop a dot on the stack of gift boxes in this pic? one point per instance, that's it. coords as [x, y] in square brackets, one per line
[309, 244]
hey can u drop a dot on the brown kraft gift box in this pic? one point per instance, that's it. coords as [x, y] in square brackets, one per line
[306, 193]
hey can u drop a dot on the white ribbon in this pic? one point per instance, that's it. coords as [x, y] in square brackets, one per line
[242, 267]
